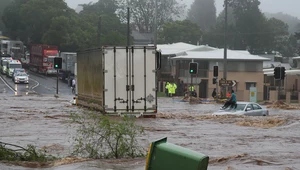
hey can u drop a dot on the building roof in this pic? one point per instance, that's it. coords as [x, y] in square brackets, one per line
[272, 64]
[218, 54]
[295, 58]
[176, 48]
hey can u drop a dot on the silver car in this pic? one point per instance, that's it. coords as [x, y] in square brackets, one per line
[244, 108]
[21, 77]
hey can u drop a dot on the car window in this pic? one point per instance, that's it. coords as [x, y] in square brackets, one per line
[240, 106]
[22, 74]
[249, 106]
[256, 107]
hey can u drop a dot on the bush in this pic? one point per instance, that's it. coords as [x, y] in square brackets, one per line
[30, 153]
[101, 136]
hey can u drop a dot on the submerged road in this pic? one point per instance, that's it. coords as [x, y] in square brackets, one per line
[38, 83]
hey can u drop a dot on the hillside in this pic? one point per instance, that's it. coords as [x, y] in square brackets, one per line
[293, 22]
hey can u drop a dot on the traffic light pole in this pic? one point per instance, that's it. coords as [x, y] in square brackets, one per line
[217, 89]
[57, 82]
[191, 85]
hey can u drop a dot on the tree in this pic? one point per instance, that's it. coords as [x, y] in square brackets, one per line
[278, 33]
[180, 31]
[143, 13]
[251, 24]
[203, 13]
[110, 30]
[100, 7]
[12, 20]
[38, 15]
[4, 4]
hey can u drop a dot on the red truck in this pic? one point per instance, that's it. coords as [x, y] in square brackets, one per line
[41, 58]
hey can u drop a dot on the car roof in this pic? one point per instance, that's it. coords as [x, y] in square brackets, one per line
[246, 103]
[19, 68]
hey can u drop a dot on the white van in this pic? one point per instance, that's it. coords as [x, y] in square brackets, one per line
[11, 65]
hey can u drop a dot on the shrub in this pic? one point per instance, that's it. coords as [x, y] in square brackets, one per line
[101, 136]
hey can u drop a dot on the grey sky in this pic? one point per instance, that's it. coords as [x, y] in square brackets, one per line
[273, 6]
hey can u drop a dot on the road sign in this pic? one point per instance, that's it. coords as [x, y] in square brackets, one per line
[227, 83]
[253, 94]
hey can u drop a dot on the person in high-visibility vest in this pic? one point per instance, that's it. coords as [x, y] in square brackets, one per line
[192, 91]
[172, 89]
[166, 89]
[191, 88]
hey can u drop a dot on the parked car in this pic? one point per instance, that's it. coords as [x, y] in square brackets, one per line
[244, 108]
[21, 77]
[17, 70]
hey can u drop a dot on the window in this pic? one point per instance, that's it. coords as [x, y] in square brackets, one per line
[256, 107]
[240, 106]
[14, 66]
[249, 107]
[250, 84]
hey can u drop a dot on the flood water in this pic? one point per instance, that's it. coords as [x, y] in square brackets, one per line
[241, 143]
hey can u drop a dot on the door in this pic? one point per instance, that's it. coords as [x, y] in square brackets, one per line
[249, 110]
[266, 93]
[203, 89]
[130, 79]
[258, 110]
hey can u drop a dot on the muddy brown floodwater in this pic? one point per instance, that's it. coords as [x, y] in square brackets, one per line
[232, 143]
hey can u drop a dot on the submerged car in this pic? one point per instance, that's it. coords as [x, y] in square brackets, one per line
[21, 77]
[244, 108]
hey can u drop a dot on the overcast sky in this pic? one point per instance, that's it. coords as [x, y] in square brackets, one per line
[291, 7]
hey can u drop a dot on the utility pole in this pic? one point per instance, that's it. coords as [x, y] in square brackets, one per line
[99, 31]
[225, 44]
[128, 24]
[155, 25]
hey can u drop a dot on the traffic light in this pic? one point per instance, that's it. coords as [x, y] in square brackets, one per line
[215, 80]
[57, 63]
[216, 71]
[282, 71]
[193, 68]
[277, 72]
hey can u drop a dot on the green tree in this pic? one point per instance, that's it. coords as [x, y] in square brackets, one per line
[203, 13]
[3, 5]
[250, 23]
[180, 31]
[12, 20]
[38, 15]
[143, 13]
[278, 34]
[109, 29]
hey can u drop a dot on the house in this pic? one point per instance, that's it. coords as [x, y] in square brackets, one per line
[290, 82]
[244, 68]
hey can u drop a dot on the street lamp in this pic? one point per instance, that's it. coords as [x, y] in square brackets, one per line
[225, 45]
[155, 25]
[128, 24]
[225, 41]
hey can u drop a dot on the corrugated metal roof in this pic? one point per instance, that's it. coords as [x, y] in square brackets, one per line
[176, 48]
[218, 54]
[272, 64]
[294, 58]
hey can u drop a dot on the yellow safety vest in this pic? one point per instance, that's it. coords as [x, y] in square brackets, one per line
[191, 88]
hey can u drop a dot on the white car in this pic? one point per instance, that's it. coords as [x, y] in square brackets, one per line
[21, 77]
[244, 108]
